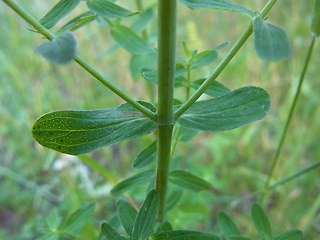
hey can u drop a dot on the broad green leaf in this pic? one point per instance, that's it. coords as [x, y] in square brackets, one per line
[315, 24]
[261, 221]
[152, 75]
[77, 220]
[226, 225]
[132, 182]
[293, 234]
[130, 40]
[217, 4]
[203, 59]
[79, 21]
[146, 157]
[189, 181]
[142, 21]
[127, 214]
[216, 89]
[105, 8]
[62, 49]
[77, 132]
[143, 224]
[140, 62]
[60, 10]
[229, 111]
[163, 227]
[239, 237]
[184, 235]
[270, 42]
[174, 197]
[109, 232]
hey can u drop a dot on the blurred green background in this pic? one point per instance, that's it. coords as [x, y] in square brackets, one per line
[34, 180]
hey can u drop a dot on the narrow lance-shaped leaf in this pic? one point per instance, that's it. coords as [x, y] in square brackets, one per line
[105, 8]
[189, 181]
[143, 20]
[315, 24]
[184, 235]
[132, 182]
[217, 4]
[79, 21]
[293, 234]
[109, 232]
[229, 111]
[146, 157]
[143, 225]
[261, 221]
[216, 89]
[226, 225]
[127, 214]
[77, 132]
[77, 220]
[130, 40]
[203, 59]
[174, 197]
[270, 42]
[61, 50]
[61, 9]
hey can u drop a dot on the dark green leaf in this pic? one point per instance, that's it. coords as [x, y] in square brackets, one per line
[163, 227]
[61, 9]
[130, 40]
[315, 24]
[216, 89]
[184, 235]
[189, 181]
[270, 42]
[226, 225]
[261, 221]
[238, 237]
[79, 21]
[174, 197]
[146, 157]
[132, 182]
[109, 232]
[203, 59]
[142, 61]
[229, 111]
[143, 20]
[127, 214]
[62, 49]
[217, 4]
[105, 8]
[293, 234]
[77, 220]
[146, 217]
[77, 132]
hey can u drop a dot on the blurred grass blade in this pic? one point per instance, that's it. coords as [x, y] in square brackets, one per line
[217, 4]
[143, 224]
[78, 219]
[74, 23]
[293, 234]
[216, 89]
[184, 235]
[226, 112]
[270, 42]
[60, 10]
[130, 40]
[146, 156]
[261, 221]
[226, 225]
[127, 214]
[189, 181]
[132, 182]
[315, 24]
[105, 8]
[78, 132]
[109, 232]
[60, 50]
[203, 59]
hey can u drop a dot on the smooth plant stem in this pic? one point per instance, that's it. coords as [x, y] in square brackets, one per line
[289, 119]
[167, 18]
[225, 61]
[45, 32]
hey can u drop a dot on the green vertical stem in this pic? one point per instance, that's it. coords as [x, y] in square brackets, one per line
[167, 11]
[289, 119]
